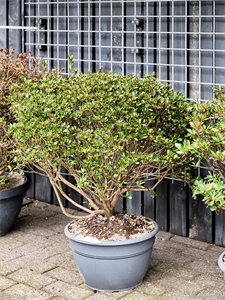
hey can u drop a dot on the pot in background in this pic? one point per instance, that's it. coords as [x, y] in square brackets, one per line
[10, 205]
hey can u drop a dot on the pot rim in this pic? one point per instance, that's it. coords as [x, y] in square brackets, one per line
[220, 262]
[113, 243]
[15, 191]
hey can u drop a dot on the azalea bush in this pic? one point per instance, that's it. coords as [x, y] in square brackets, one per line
[11, 69]
[206, 144]
[112, 133]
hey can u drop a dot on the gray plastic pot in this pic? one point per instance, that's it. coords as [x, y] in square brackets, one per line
[10, 206]
[113, 266]
[221, 263]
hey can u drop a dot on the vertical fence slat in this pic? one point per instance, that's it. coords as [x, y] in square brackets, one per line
[219, 230]
[149, 202]
[74, 195]
[134, 204]
[119, 205]
[31, 183]
[162, 205]
[178, 208]
[43, 189]
[200, 217]
[64, 187]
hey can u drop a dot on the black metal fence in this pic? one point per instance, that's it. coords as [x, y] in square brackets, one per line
[183, 42]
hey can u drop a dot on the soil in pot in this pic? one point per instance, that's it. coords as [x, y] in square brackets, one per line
[115, 228]
[12, 180]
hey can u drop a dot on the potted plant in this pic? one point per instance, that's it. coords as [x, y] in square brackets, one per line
[206, 145]
[12, 183]
[112, 134]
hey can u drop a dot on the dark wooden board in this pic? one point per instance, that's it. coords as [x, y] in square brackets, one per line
[200, 217]
[119, 205]
[134, 205]
[43, 188]
[74, 195]
[30, 193]
[178, 207]
[162, 205]
[149, 201]
[64, 187]
[220, 230]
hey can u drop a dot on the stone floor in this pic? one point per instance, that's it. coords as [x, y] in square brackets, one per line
[36, 263]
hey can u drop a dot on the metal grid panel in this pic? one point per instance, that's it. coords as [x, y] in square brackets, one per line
[183, 42]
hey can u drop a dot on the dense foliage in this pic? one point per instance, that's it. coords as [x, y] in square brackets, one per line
[110, 132]
[206, 144]
[11, 70]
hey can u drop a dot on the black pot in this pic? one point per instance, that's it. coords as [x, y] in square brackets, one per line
[10, 205]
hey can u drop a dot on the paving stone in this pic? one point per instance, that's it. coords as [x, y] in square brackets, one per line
[8, 268]
[58, 238]
[171, 270]
[31, 278]
[28, 239]
[174, 284]
[167, 244]
[27, 293]
[171, 256]
[32, 221]
[137, 295]
[114, 295]
[65, 275]
[212, 294]
[210, 280]
[150, 289]
[4, 296]
[191, 242]
[30, 250]
[205, 267]
[56, 248]
[22, 226]
[5, 282]
[158, 272]
[178, 295]
[100, 296]
[37, 213]
[7, 255]
[67, 291]
[201, 254]
[64, 260]
[165, 236]
[55, 208]
[29, 262]
[7, 243]
[216, 249]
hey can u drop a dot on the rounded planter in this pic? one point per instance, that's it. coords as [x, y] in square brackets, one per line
[221, 263]
[113, 266]
[10, 205]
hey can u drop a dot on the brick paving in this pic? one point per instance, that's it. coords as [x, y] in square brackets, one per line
[36, 263]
